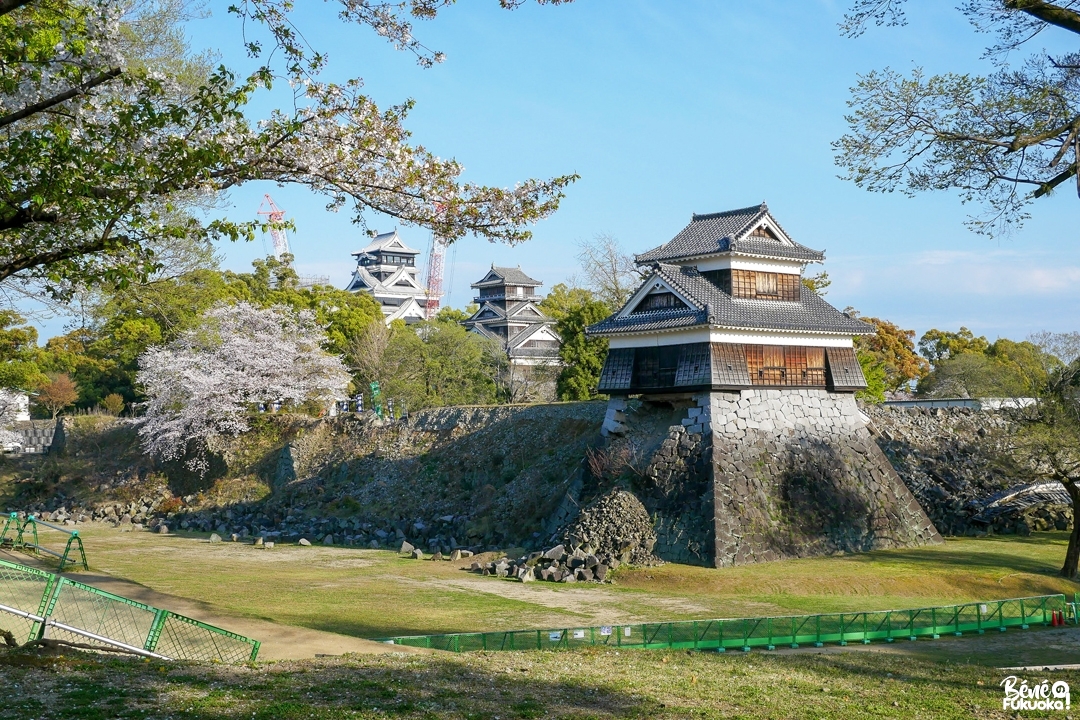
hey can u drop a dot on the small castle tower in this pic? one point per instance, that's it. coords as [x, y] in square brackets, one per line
[509, 313]
[771, 457]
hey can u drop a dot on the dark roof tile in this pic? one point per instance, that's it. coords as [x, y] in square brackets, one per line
[726, 232]
[715, 307]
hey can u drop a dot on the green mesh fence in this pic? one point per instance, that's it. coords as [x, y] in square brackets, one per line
[772, 632]
[35, 604]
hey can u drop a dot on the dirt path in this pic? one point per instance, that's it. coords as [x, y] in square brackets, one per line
[278, 642]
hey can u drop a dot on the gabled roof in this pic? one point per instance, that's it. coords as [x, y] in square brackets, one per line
[506, 276]
[387, 242]
[729, 231]
[714, 307]
[363, 280]
[487, 307]
[483, 331]
[537, 315]
[526, 334]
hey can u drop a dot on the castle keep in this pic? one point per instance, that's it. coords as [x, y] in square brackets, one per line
[771, 457]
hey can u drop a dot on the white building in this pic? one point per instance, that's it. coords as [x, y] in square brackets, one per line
[386, 269]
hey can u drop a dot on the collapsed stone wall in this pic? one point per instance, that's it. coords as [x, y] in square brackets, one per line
[952, 460]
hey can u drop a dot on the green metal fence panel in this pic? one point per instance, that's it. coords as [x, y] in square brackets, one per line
[101, 613]
[25, 590]
[183, 638]
[84, 614]
[768, 632]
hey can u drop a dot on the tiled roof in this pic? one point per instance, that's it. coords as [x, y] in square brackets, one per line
[728, 232]
[715, 307]
[509, 276]
[379, 242]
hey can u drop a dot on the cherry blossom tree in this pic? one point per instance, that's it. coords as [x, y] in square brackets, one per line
[103, 142]
[203, 385]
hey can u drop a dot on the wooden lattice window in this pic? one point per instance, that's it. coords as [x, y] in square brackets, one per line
[751, 284]
[791, 365]
[659, 301]
[844, 369]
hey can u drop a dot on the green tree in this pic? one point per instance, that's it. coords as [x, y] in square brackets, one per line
[818, 283]
[876, 378]
[1048, 440]
[937, 345]
[19, 367]
[449, 314]
[893, 349]
[432, 364]
[1002, 139]
[582, 357]
[112, 129]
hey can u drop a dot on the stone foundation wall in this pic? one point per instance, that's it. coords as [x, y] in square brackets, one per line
[764, 474]
[797, 474]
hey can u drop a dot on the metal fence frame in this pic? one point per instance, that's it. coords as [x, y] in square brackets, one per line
[744, 634]
[66, 609]
[19, 540]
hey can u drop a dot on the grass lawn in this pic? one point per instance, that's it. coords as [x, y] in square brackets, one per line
[373, 593]
[583, 684]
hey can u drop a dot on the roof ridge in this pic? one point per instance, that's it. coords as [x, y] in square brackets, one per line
[726, 213]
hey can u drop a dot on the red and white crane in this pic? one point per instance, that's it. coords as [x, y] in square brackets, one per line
[275, 215]
[436, 260]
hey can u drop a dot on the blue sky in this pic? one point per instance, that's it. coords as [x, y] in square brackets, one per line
[671, 108]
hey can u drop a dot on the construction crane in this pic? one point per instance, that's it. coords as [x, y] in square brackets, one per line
[275, 215]
[436, 257]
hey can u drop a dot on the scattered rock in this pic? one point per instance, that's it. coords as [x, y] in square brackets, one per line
[406, 547]
[268, 545]
[234, 537]
[304, 541]
[215, 538]
[260, 542]
[417, 554]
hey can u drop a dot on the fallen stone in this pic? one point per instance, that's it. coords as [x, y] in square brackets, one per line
[455, 555]
[215, 538]
[406, 548]
[268, 545]
[234, 537]
[556, 553]
[417, 554]
[304, 541]
[466, 553]
[163, 529]
[437, 555]
[600, 571]
[260, 542]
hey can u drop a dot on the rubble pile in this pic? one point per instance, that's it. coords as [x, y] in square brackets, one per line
[615, 525]
[554, 565]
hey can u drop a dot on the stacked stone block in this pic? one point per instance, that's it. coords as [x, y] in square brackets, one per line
[766, 474]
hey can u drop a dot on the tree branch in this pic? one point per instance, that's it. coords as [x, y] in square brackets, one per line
[23, 217]
[7, 6]
[62, 97]
[1046, 187]
[18, 264]
[1048, 13]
